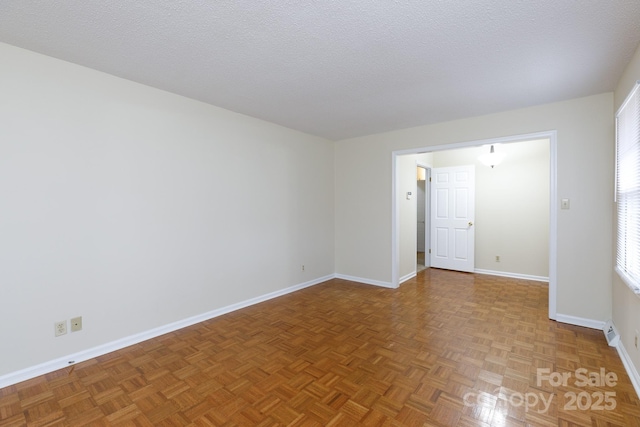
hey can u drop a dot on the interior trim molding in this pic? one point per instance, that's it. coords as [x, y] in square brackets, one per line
[365, 281]
[629, 367]
[512, 275]
[580, 321]
[407, 277]
[81, 356]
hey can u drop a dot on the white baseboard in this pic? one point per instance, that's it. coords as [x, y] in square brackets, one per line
[580, 321]
[69, 360]
[365, 281]
[512, 275]
[622, 352]
[407, 277]
[629, 367]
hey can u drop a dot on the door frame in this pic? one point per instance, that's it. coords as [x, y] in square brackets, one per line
[553, 202]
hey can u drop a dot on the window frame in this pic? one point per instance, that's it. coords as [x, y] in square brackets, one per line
[627, 190]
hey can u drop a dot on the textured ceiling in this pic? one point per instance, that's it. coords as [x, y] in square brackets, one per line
[343, 68]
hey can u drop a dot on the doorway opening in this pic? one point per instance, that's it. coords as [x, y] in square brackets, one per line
[423, 253]
[550, 138]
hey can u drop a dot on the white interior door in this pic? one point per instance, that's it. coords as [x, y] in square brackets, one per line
[452, 216]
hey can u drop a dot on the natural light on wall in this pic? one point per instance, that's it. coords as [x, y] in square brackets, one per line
[628, 189]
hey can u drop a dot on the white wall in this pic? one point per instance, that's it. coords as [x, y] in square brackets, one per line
[626, 305]
[408, 214]
[135, 208]
[585, 172]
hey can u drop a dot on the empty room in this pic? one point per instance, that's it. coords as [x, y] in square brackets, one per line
[413, 213]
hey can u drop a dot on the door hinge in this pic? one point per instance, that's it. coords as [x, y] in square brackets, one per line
[429, 250]
[429, 179]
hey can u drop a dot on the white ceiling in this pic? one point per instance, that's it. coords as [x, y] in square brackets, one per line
[342, 68]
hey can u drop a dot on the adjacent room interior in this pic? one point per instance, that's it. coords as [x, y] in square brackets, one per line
[512, 205]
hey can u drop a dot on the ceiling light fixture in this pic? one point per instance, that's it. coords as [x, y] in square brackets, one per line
[492, 159]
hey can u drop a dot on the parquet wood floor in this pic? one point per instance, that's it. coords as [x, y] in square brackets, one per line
[446, 349]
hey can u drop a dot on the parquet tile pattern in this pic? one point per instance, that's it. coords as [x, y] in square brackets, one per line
[446, 349]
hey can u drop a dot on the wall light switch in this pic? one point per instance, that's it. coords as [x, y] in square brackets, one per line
[565, 204]
[408, 195]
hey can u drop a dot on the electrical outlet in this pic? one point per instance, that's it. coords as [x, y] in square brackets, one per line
[60, 328]
[302, 267]
[76, 324]
[497, 258]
